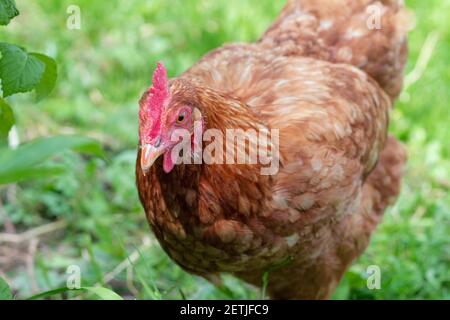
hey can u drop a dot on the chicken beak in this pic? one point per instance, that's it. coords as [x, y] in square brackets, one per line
[149, 154]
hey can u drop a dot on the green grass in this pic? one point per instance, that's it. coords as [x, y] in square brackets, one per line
[103, 69]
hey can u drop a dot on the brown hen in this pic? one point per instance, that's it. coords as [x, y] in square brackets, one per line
[325, 75]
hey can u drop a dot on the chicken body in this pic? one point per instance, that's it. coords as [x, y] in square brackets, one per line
[326, 82]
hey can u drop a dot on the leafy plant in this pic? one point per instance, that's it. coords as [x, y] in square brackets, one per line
[21, 71]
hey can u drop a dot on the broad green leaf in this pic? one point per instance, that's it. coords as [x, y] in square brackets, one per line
[31, 173]
[19, 71]
[5, 291]
[8, 11]
[101, 292]
[48, 80]
[6, 121]
[26, 161]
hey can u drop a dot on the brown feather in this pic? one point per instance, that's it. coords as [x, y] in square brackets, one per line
[338, 170]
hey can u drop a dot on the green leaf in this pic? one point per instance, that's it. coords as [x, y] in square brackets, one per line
[5, 291]
[27, 160]
[19, 71]
[31, 173]
[48, 80]
[101, 292]
[8, 11]
[50, 293]
[6, 121]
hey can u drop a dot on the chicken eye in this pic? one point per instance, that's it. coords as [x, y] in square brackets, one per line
[181, 117]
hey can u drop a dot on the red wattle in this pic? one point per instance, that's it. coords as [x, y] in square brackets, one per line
[168, 164]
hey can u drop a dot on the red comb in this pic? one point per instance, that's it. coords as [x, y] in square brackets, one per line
[151, 110]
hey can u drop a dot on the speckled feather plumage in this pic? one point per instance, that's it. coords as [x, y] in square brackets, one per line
[339, 170]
